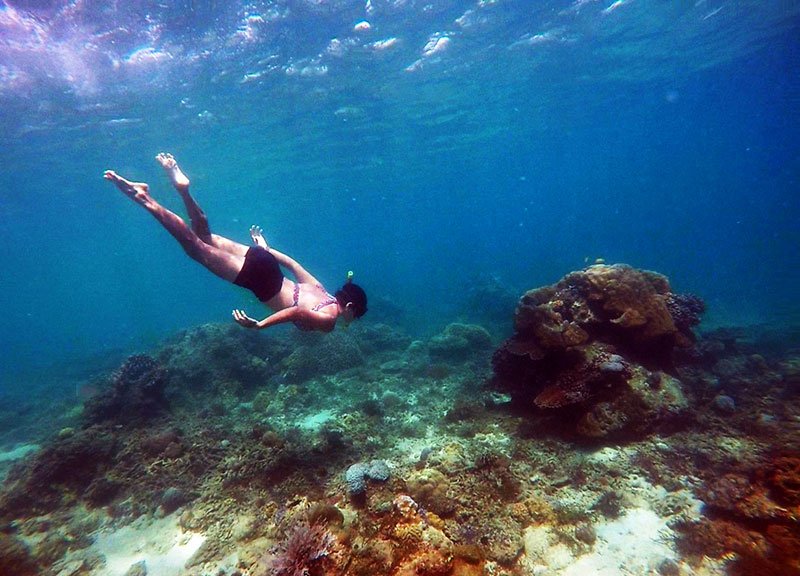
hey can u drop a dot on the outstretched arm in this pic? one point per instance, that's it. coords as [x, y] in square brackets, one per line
[293, 314]
[300, 273]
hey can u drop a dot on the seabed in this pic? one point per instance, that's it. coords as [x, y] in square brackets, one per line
[600, 436]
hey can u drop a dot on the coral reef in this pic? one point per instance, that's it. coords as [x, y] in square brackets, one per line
[751, 495]
[617, 304]
[255, 466]
[377, 340]
[596, 346]
[424, 548]
[71, 465]
[135, 395]
[219, 359]
[431, 487]
[459, 343]
[318, 355]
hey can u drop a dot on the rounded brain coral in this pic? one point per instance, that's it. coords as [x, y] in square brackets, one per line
[355, 479]
[378, 470]
[430, 486]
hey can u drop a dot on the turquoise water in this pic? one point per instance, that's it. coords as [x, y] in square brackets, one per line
[449, 140]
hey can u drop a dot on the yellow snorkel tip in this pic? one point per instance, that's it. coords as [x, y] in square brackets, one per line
[349, 276]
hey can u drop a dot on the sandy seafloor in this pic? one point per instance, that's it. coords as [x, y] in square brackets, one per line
[227, 452]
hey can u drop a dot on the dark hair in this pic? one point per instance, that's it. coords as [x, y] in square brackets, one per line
[353, 293]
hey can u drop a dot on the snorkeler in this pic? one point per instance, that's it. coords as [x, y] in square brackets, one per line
[303, 302]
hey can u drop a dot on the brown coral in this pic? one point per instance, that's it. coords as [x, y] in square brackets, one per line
[719, 537]
[784, 480]
[426, 562]
[370, 556]
[785, 542]
[589, 341]
[405, 507]
[603, 297]
[409, 533]
[430, 488]
[586, 378]
[569, 390]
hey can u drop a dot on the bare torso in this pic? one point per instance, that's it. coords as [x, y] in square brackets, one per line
[310, 296]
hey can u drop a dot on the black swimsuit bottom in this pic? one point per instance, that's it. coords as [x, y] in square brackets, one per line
[260, 273]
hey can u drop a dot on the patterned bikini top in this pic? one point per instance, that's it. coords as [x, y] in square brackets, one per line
[331, 299]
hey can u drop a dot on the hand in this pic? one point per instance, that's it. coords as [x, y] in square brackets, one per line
[243, 319]
[258, 237]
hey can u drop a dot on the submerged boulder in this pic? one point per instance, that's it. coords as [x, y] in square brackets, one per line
[596, 349]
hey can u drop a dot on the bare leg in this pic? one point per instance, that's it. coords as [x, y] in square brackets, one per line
[222, 263]
[181, 184]
[198, 218]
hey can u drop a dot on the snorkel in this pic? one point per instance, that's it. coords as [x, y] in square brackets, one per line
[348, 280]
[352, 298]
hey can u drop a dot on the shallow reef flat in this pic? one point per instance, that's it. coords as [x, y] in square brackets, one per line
[602, 433]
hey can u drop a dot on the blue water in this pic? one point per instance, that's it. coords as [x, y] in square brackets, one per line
[451, 139]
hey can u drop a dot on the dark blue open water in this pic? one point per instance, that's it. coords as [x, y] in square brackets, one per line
[451, 139]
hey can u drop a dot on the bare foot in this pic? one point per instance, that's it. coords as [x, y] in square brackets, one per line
[258, 237]
[176, 176]
[136, 191]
